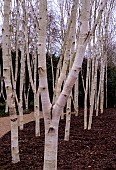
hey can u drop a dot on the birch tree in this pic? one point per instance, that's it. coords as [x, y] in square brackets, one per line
[8, 85]
[52, 113]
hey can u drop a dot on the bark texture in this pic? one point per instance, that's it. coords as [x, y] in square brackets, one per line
[8, 85]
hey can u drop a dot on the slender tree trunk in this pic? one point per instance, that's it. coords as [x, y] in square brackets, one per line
[7, 79]
[52, 71]
[68, 48]
[68, 110]
[68, 119]
[22, 75]
[86, 93]
[27, 49]
[26, 98]
[102, 88]
[98, 98]
[92, 97]
[6, 107]
[106, 87]
[76, 94]
[37, 114]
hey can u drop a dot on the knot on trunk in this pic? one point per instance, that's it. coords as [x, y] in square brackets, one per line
[13, 120]
[40, 69]
[51, 130]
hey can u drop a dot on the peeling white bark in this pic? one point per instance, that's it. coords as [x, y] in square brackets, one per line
[7, 79]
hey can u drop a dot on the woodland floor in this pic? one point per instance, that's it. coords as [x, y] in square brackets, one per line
[86, 150]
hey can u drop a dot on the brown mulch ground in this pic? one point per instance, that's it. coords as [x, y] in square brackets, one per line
[87, 150]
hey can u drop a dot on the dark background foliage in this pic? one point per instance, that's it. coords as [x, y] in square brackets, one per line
[111, 91]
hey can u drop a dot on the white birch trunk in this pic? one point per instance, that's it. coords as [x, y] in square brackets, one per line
[50, 147]
[99, 90]
[98, 98]
[68, 110]
[104, 58]
[27, 103]
[22, 76]
[26, 98]
[86, 93]
[63, 113]
[6, 74]
[37, 114]
[36, 94]
[68, 119]
[6, 106]
[76, 94]
[27, 49]
[102, 87]
[92, 97]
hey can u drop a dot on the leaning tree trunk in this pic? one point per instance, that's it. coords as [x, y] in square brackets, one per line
[68, 48]
[8, 85]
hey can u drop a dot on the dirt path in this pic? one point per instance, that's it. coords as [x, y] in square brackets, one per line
[5, 123]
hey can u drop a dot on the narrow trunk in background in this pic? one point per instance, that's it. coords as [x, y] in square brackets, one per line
[76, 94]
[22, 75]
[86, 93]
[68, 119]
[92, 96]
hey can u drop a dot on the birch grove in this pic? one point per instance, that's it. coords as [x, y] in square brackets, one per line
[30, 31]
